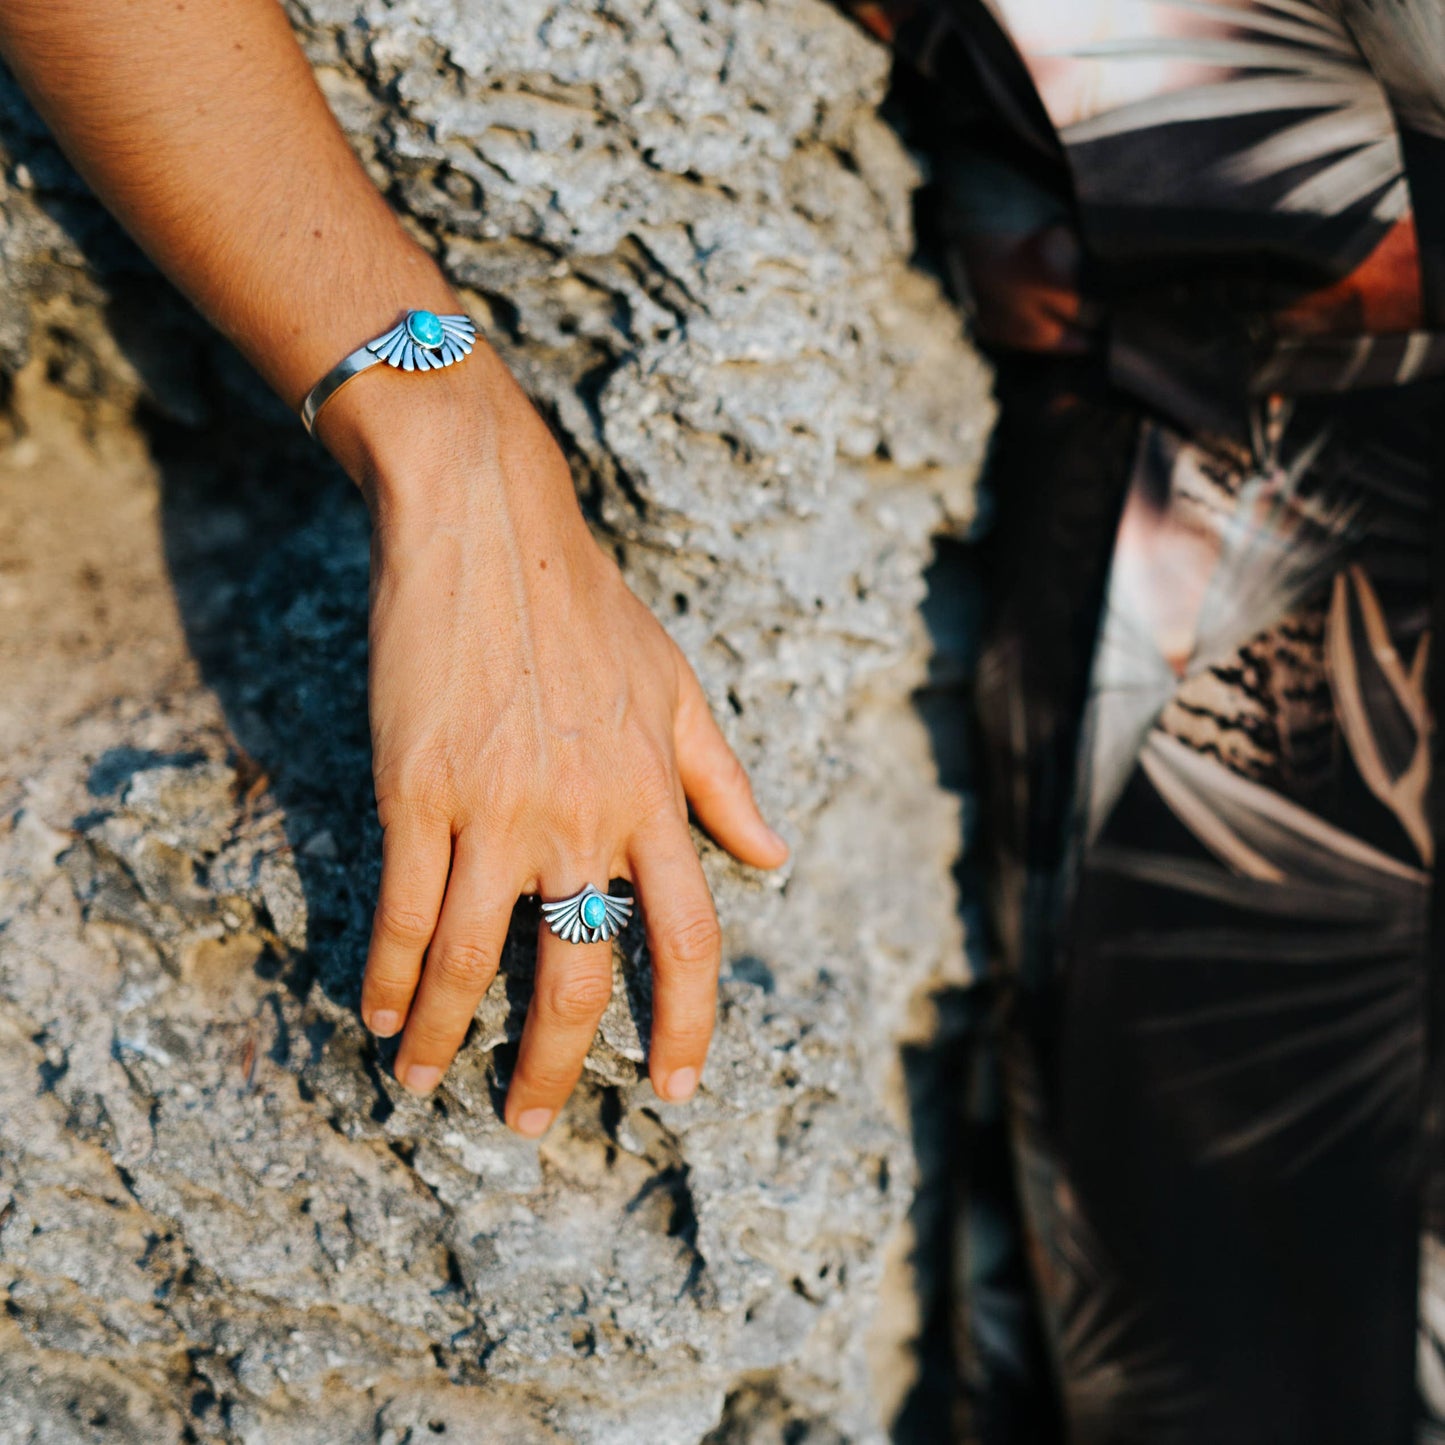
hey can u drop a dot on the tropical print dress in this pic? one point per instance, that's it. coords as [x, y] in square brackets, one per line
[1205, 241]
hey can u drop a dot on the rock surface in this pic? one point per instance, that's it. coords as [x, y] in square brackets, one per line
[688, 230]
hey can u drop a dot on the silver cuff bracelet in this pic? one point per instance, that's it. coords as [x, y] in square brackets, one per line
[420, 341]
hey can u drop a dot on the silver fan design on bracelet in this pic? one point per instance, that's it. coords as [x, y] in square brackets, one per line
[424, 341]
[590, 916]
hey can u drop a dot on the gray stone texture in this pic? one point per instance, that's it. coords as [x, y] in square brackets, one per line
[688, 230]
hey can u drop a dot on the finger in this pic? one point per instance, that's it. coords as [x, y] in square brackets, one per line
[717, 784]
[415, 853]
[686, 946]
[572, 989]
[460, 964]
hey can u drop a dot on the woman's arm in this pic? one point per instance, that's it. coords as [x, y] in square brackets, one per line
[200, 126]
[533, 727]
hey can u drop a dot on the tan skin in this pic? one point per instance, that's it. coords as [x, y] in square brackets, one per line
[533, 726]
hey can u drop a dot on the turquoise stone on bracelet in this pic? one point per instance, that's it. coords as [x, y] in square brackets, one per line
[425, 328]
[594, 910]
[421, 341]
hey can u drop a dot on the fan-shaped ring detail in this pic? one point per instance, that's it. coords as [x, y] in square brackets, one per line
[590, 916]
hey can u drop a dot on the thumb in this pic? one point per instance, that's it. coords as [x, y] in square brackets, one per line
[716, 783]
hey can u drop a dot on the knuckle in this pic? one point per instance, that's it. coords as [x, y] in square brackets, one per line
[421, 786]
[579, 997]
[387, 989]
[694, 940]
[434, 1032]
[461, 965]
[689, 1037]
[422, 810]
[494, 812]
[544, 1079]
[385, 973]
[433, 1035]
[578, 804]
[400, 923]
[654, 786]
[729, 775]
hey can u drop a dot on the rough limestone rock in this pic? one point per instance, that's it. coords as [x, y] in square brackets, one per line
[687, 228]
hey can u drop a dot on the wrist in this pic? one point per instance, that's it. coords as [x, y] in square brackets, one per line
[397, 434]
[462, 445]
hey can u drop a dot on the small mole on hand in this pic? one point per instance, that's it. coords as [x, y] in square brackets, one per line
[317, 234]
[542, 563]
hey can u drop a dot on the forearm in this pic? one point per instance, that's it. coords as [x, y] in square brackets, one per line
[202, 129]
[533, 727]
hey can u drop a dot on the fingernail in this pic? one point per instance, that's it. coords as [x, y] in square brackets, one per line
[778, 838]
[384, 1023]
[421, 1078]
[532, 1122]
[680, 1084]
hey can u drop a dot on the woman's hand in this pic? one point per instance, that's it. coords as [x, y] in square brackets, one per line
[534, 729]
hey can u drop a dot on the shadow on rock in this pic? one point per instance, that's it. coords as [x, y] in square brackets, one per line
[267, 544]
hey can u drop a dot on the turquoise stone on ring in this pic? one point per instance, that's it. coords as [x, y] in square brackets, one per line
[425, 328]
[588, 916]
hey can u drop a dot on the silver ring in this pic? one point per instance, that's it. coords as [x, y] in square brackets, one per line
[590, 916]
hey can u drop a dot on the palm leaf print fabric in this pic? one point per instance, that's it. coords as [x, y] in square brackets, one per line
[1205, 241]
